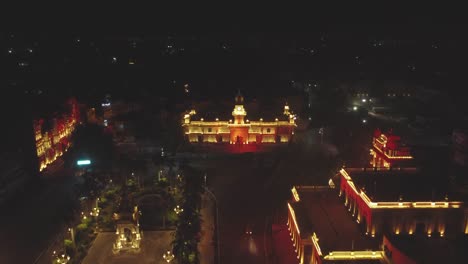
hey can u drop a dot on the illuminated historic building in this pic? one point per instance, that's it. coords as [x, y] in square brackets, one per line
[53, 140]
[322, 230]
[377, 214]
[240, 130]
[387, 151]
[385, 201]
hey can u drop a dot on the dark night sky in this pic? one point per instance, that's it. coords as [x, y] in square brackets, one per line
[256, 33]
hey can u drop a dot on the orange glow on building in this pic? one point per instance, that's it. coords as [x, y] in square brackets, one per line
[357, 200]
[239, 130]
[51, 143]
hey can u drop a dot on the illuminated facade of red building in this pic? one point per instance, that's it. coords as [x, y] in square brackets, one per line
[364, 207]
[52, 142]
[240, 130]
[387, 151]
[400, 211]
[322, 230]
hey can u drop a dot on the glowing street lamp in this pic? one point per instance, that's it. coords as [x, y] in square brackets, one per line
[62, 259]
[178, 210]
[168, 256]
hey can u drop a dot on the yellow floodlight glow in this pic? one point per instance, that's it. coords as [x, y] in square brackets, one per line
[316, 244]
[293, 215]
[354, 255]
[295, 194]
[395, 205]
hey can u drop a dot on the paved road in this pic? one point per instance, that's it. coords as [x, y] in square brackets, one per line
[238, 182]
[206, 245]
[28, 226]
[250, 187]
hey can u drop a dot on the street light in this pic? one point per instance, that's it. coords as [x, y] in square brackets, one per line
[72, 234]
[178, 210]
[62, 259]
[321, 135]
[217, 218]
[168, 256]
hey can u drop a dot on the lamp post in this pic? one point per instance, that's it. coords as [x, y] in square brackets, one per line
[72, 234]
[62, 259]
[217, 220]
[321, 135]
[178, 210]
[168, 256]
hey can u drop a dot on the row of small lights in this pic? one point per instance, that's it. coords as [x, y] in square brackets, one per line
[63, 258]
[230, 120]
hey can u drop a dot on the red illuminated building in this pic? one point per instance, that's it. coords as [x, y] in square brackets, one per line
[388, 151]
[389, 213]
[53, 139]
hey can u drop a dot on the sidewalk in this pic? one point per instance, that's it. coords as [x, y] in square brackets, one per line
[206, 245]
[283, 247]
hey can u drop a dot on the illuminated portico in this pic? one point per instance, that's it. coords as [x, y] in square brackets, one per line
[239, 130]
[128, 235]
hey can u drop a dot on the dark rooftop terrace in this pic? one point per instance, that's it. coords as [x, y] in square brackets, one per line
[432, 250]
[321, 211]
[408, 184]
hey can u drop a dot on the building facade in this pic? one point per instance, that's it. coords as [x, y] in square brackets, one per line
[55, 139]
[387, 151]
[430, 216]
[240, 130]
[322, 232]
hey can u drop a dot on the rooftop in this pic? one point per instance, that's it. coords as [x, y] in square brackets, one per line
[432, 250]
[410, 185]
[321, 210]
[267, 110]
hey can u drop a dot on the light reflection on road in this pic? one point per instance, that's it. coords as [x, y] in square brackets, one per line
[252, 246]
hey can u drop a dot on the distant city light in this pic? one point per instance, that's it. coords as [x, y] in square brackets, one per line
[364, 100]
[83, 162]
[364, 121]
[354, 108]
[10, 51]
[105, 104]
[114, 59]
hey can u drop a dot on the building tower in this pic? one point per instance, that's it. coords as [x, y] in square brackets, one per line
[286, 110]
[239, 112]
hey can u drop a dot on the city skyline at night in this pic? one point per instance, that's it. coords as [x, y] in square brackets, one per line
[235, 136]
